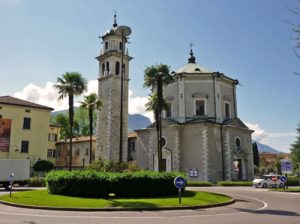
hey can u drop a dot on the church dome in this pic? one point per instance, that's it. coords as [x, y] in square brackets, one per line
[192, 67]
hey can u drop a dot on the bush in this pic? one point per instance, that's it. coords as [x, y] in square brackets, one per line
[293, 181]
[36, 182]
[234, 183]
[112, 166]
[43, 166]
[199, 183]
[144, 184]
[90, 183]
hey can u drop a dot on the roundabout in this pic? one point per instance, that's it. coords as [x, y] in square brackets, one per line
[251, 206]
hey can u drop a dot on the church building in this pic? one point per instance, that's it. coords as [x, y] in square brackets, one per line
[202, 133]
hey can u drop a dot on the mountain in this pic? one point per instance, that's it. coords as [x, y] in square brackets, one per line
[265, 148]
[135, 121]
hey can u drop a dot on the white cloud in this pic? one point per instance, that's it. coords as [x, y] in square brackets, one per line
[136, 105]
[48, 96]
[259, 134]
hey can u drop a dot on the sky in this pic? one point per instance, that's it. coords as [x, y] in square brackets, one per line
[249, 40]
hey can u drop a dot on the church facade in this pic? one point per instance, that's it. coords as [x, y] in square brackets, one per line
[203, 135]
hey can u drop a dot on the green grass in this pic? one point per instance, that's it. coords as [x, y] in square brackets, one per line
[42, 198]
[297, 189]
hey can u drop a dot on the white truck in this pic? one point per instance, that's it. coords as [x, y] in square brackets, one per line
[20, 168]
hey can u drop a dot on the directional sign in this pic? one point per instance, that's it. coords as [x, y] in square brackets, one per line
[179, 182]
[283, 179]
[286, 166]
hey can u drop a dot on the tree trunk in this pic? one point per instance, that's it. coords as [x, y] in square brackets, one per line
[91, 135]
[71, 116]
[159, 108]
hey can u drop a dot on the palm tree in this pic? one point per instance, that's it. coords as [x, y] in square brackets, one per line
[71, 84]
[91, 103]
[156, 77]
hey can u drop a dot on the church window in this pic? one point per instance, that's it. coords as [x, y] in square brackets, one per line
[103, 68]
[106, 45]
[117, 68]
[120, 46]
[227, 110]
[200, 107]
[107, 67]
[168, 111]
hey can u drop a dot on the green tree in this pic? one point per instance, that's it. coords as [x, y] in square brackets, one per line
[71, 84]
[43, 166]
[62, 120]
[295, 148]
[91, 103]
[82, 118]
[156, 77]
[255, 154]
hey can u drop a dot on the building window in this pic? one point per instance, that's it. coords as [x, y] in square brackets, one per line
[117, 68]
[103, 69]
[26, 123]
[168, 111]
[132, 146]
[77, 152]
[107, 67]
[120, 46]
[52, 137]
[51, 153]
[227, 110]
[86, 151]
[24, 146]
[106, 45]
[200, 107]
[27, 111]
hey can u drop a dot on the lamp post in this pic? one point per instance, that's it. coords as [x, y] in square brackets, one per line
[124, 31]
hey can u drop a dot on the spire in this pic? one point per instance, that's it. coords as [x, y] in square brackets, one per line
[191, 59]
[115, 20]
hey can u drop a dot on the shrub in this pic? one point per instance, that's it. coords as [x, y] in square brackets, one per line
[199, 183]
[234, 183]
[79, 183]
[43, 166]
[90, 183]
[36, 182]
[108, 166]
[145, 183]
[293, 181]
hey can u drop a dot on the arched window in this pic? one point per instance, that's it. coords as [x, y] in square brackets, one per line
[117, 68]
[103, 69]
[107, 67]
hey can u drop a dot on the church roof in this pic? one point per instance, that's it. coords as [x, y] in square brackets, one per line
[192, 67]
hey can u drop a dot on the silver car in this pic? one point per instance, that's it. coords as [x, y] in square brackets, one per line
[270, 180]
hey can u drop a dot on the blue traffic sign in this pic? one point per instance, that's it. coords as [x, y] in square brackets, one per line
[283, 178]
[179, 182]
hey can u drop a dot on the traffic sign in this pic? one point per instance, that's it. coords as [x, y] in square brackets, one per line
[283, 179]
[274, 178]
[179, 182]
[286, 166]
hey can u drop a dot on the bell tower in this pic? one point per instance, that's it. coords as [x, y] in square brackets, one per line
[113, 78]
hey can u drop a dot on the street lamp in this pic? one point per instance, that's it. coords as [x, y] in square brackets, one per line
[124, 31]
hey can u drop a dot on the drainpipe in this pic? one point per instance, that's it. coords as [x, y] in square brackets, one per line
[214, 89]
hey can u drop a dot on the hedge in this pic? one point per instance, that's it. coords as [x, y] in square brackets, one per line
[199, 184]
[234, 183]
[293, 181]
[89, 183]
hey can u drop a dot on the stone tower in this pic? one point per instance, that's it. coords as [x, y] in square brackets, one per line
[111, 130]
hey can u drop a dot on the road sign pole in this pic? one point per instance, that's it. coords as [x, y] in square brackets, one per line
[179, 195]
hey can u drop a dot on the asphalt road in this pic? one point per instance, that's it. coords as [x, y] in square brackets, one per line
[252, 206]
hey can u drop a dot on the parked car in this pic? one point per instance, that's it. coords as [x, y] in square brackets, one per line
[269, 180]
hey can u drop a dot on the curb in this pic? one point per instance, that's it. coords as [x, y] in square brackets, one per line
[112, 209]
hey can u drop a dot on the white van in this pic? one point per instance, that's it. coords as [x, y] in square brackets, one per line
[270, 180]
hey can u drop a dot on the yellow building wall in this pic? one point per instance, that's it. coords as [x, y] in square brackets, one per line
[37, 135]
[53, 130]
